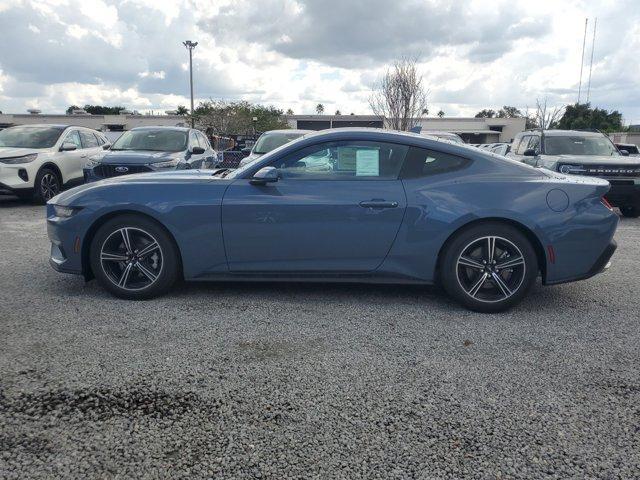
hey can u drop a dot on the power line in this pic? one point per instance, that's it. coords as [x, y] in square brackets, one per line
[584, 39]
[593, 46]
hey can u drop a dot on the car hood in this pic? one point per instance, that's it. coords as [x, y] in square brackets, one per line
[593, 159]
[8, 152]
[135, 157]
[166, 178]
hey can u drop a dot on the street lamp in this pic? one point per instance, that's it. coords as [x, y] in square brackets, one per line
[190, 46]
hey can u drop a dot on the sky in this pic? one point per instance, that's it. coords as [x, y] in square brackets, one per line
[298, 53]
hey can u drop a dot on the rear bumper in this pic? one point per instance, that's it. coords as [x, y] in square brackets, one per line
[601, 264]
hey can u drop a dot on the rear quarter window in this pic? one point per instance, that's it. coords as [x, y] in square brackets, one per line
[421, 162]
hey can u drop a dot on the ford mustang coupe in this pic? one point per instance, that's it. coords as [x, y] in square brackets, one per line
[344, 205]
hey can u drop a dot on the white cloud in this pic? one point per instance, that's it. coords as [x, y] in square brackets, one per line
[297, 53]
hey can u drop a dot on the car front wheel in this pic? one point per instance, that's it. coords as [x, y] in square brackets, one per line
[134, 258]
[489, 267]
[46, 186]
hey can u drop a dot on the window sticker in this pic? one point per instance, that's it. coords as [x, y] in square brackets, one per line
[347, 159]
[368, 162]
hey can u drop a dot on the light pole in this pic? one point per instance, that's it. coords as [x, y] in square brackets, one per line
[190, 46]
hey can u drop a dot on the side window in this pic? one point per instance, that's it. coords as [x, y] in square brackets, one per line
[421, 162]
[522, 146]
[101, 140]
[534, 143]
[73, 137]
[347, 160]
[204, 141]
[88, 139]
[193, 140]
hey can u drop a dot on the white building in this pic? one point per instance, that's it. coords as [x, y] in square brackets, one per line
[472, 130]
[105, 123]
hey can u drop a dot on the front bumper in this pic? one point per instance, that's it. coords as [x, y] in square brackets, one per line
[15, 178]
[624, 193]
[66, 236]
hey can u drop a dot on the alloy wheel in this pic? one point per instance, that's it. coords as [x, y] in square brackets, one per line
[131, 258]
[49, 186]
[490, 269]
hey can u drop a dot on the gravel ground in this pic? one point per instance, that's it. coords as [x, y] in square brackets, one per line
[312, 381]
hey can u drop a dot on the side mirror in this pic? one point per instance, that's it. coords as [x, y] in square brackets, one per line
[530, 152]
[624, 153]
[68, 147]
[197, 150]
[106, 146]
[265, 175]
[246, 150]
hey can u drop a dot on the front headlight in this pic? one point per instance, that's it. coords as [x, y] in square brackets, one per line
[167, 164]
[65, 212]
[17, 160]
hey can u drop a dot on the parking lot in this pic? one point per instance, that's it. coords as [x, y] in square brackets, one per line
[318, 380]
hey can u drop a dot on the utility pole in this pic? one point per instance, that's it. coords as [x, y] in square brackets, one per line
[593, 46]
[584, 39]
[190, 46]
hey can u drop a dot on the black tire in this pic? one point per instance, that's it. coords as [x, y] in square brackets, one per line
[631, 212]
[161, 262]
[461, 274]
[46, 185]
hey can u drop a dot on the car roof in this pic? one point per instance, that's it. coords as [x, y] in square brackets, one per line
[54, 125]
[163, 127]
[289, 130]
[564, 133]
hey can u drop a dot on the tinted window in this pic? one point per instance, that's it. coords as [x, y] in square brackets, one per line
[421, 162]
[534, 144]
[347, 160]
[155, 140]
[73, 137]
[100, 139]
[88, 140]
[577, 145]
[271, 141]
[30, 137]
[193, 140]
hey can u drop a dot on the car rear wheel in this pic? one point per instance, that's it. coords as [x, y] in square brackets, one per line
[489, 267]
[46, 186]
[631, 212]
[134, 258]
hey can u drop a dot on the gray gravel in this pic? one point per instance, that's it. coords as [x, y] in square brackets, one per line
[312, 381]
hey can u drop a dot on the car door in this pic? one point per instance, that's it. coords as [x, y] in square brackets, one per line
[336, 207]
[70, 162]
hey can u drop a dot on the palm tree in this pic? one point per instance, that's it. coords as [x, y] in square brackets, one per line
[338, 112]
[320, 109]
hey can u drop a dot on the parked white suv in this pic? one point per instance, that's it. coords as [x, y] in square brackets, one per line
[38, 161]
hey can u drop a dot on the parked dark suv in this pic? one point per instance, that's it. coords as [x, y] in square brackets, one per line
[149, 149]
[584, 153]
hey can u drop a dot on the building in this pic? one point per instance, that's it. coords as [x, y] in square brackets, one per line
[626, 137]
[105, 123]
[472, 130]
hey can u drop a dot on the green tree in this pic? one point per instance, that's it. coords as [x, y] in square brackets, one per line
[289, 111]
[582, 116]
[338, 112]
[220, 117]
[509, 112]
[96, 109]
[182, 110]
[320, 109]
[486, 113]
[441, 113]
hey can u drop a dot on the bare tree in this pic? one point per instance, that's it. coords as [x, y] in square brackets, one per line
[546, 117]
[400, 96]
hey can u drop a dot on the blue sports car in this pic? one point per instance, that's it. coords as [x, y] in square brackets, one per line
[345, 205]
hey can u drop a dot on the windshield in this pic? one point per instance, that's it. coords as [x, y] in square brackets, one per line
[160, 140]
[577, 145]
[269, 141]
[30, 137]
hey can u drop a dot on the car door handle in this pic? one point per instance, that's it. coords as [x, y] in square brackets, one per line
[378, 204]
